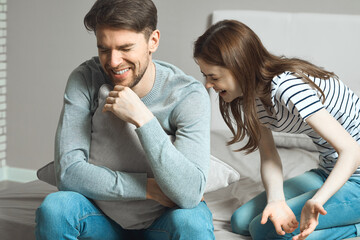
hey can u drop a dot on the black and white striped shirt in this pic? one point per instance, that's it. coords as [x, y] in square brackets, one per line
[294, 100]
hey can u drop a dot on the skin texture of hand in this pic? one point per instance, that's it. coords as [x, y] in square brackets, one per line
[309, 218]
[281, 216]
[154, 192]
[126, 105]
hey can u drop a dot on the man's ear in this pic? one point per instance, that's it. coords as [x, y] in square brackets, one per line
[154, 41]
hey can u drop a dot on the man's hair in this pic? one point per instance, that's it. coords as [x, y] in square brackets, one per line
[136, 15]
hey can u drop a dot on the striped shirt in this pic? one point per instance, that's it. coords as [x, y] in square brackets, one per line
[294, 100]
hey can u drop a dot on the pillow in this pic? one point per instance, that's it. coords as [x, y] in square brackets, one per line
[292, 140]
[220, 175]
[47, 173]
[106, 147]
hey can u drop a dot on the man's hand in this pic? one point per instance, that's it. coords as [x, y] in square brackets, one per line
[281, 216]
[126, 105]
[154, 192]
[309, 218]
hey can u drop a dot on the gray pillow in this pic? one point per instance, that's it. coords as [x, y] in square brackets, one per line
[106, 148]
[292, 140]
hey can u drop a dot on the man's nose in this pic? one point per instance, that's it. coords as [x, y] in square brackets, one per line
[116, 59]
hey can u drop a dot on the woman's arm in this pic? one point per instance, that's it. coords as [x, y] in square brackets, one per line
[271, 167]
[348, 161]
[271, 173]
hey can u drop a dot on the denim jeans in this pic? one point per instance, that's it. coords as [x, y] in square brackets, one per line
[70, 215]
[341, 221]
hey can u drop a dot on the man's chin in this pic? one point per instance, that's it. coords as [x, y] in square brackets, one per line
[123, 83]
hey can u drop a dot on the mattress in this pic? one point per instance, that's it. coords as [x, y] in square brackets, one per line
[18, 204]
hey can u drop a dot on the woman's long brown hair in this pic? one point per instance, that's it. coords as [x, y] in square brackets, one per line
[233, 45]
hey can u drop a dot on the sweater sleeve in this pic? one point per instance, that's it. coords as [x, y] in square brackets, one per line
[72, 144]
[181, 168]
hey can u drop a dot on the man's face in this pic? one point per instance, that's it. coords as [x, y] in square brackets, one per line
[124, 54]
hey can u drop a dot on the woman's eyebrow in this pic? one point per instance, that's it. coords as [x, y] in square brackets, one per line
[209, 75]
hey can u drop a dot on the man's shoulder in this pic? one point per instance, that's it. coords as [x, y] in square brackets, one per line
[175, 77]
[89, 66]
[90, 71]
[180, 87]
[86, 78]
[170, 70]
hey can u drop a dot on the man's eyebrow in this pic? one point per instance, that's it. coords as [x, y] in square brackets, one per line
[127, 45]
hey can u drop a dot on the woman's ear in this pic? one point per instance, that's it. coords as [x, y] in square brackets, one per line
[154, 41]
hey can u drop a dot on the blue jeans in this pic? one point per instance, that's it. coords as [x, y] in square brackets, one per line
[70, 215]
[341, 221]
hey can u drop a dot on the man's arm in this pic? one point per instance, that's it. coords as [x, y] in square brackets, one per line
[73, 172]
[180, 168]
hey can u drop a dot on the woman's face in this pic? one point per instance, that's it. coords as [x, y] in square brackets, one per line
[221, 80]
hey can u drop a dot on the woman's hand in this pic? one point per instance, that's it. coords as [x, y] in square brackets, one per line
[309, 218]
[281, 216]
[154, 192]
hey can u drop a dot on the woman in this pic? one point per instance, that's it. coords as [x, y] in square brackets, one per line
[261, 92]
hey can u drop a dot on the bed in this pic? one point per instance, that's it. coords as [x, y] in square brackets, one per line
[329, 40]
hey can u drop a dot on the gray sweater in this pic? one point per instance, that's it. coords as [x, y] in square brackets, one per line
[181, 108]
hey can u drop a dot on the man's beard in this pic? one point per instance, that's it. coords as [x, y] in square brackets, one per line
[138, 78]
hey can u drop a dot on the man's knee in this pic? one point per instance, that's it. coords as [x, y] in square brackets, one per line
[57, 206]
[58, 203]
[53, 212]
[192, 222]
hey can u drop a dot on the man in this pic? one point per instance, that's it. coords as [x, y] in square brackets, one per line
[159, 100]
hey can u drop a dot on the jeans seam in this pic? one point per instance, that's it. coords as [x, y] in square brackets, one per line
[84, 217]
[159, 230]
[208, 213]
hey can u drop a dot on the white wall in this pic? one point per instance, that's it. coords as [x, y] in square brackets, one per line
[47, 40]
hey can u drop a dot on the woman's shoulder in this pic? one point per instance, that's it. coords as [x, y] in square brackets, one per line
[280, 78]
[283, 81]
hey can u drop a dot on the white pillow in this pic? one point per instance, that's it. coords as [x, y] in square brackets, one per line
[220, 175]
[106, 148]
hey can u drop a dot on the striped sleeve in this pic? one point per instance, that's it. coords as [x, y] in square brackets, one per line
[298, 96]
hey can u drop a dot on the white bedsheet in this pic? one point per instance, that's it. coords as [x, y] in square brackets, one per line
[18, 205]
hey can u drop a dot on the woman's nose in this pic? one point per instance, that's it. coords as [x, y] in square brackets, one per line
[208, 84]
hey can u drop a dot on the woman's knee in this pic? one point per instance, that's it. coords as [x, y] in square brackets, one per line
[240, 221]
[259, 231]
[242, 217]
[256, 229]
